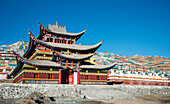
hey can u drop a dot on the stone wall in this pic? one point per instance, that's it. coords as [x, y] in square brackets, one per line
[18, 91]
[5, 80]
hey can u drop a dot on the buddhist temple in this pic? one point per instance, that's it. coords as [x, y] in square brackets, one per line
[54, 57]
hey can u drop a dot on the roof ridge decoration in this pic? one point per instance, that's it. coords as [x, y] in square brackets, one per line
[41, 32]
[31, 46]
[57, 27]
[44, 30]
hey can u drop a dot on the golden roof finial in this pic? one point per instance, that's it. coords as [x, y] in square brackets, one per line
[56, 23]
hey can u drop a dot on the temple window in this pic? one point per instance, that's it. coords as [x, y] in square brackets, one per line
[57, 41]
[48, 40]
[36, 75]
[98, 77]
[70, 42]
[86, 77]
[64, 41]
[50, 76]
[51, 40]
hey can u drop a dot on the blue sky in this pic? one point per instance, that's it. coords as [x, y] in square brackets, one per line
[128, 27]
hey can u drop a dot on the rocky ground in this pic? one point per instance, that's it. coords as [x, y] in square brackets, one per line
[82, 94]
[148, 99]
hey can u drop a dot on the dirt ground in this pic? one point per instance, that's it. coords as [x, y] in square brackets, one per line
[147, 99]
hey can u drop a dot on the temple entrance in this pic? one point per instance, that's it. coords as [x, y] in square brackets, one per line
[70, 76]
[64, 76]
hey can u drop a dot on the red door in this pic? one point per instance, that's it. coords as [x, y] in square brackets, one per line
[70, 76]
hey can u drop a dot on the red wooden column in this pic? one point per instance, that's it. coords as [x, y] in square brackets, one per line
[53, 39]
[78, 73]
[67, 41]
[74, 41]
[107, 75]
[49, 39]
[78, 77]
[59, 76]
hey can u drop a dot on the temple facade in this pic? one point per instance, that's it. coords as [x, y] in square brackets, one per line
[53, 57]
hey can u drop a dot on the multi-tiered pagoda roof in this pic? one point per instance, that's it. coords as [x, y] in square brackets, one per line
[71, 47]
